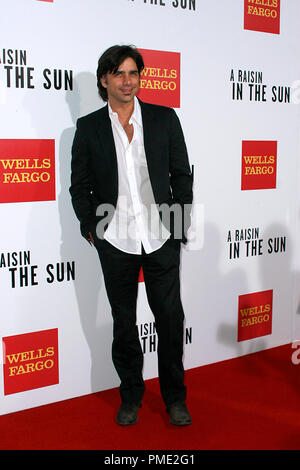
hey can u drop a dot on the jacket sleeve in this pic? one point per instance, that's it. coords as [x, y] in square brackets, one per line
[181, 177]
[80, 188]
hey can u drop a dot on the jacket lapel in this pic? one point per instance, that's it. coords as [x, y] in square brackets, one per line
[149, 133]
[106, 141]
[105, 135]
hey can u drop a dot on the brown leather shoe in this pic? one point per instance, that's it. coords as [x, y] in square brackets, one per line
[179, 414]
[128, 414]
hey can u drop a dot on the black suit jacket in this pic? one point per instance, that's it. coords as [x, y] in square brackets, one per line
[94, 178]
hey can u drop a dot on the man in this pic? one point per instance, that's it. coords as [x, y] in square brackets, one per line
[131, 157]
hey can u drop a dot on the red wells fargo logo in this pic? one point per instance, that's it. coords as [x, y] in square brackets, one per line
[30, 361]
[27, 170]
[160, 79]
[259, 162]
[255, 315]
[262, 15]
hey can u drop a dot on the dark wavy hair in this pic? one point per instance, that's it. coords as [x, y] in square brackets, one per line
[110, 61]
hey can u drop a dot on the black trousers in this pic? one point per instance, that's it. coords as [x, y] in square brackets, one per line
[161, 277]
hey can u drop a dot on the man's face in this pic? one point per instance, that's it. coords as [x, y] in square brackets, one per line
[123, 85]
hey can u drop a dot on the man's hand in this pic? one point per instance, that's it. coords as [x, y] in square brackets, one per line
[90, 239]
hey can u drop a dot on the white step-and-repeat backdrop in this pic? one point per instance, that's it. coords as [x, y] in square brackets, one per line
[231, 70]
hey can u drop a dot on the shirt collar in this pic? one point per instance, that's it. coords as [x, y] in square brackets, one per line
[136, 115]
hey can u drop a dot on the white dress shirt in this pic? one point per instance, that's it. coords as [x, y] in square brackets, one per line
[136, 221]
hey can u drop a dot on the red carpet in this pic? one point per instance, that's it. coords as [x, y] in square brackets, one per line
[252, 402]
